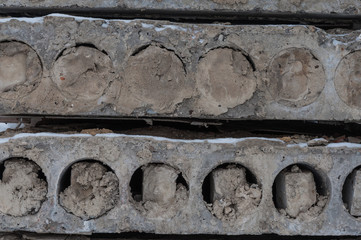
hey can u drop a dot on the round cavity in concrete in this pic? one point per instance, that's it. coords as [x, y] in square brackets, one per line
[88, 189]
[231, 192]
[82, 73]
[300, 192]
[20, 69]
[155, 77]
[351, 193]
[348, 79]
[296, 77]
[158, 190]
[225, 78]
[23, 187]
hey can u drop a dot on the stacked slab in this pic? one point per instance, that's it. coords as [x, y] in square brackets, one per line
[69, 66]
[112, 183]
[62, 65]
[304, 7]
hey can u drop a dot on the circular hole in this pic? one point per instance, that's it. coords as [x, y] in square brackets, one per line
[136, 185]
[158, 190]
[23, 187]
[231, 191]
[296, 77]
[300, 192]
[351, 193]
[217, 93]
[82, 72]
[88, 189]
[348, 79]
[20, 69]
[149, 71]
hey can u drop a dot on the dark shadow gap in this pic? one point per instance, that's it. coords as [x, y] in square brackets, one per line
[324, 21]
[202, 129]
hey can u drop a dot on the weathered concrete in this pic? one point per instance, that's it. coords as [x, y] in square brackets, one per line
[92, 192]
[162, 195]
[159, 184]
[22, 189]
[225, 181]
[194, 159]
[82, 73]
[232, 196]
[33, 236]
[347, 7]
[355, 194]
[121, 68]
[296, 191]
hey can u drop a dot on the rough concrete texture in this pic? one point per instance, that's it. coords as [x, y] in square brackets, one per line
[34, 236]
[82, 73]
[348, 83]
[154, 77]
[162, 196]
[296, 191]
[348, 7]
[225, 79]
[93, 190]
[159, 184]
[160, 69]
[195, 159]
[296, 77]
[232, 196]
[355, 205]
[20, 70]
[22, 191]
[224, 181]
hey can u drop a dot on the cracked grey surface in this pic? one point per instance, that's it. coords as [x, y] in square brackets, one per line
[265, 158]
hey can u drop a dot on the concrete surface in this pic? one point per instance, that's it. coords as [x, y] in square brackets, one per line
[159, 184]
[355, 204]
[224, 181]
[347, 7]
[195, 159]
[297, 191]
[22, 189]
[92, 192]
[119, 68]
[232, 196]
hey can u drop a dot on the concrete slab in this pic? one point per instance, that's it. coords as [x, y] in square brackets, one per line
[225, 181]
[345, 7]
[355, 205]
[124, 68]
[297, 191]
[195, 159]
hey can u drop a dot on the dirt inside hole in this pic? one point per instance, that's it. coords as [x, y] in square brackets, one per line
[23, 187]
[231, 192]
[158, 190]
[299, 192]
[93, 190]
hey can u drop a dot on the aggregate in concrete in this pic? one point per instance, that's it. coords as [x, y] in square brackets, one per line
[63, 65]
[344, 7]
[355, 201]
[297, 191]
[194, 159]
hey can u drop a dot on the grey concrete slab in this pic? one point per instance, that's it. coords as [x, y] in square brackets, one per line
[347, 7]
[194, 159]
[63, 65]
